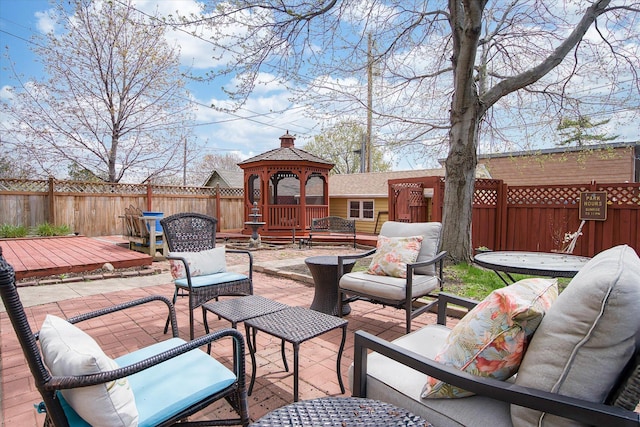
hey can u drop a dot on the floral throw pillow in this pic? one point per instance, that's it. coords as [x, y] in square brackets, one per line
[491, 339]
[200, 263]
[393, 254]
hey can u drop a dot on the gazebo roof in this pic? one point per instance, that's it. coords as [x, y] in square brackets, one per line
[286, 152]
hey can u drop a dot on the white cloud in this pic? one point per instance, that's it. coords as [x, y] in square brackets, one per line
[46, 21]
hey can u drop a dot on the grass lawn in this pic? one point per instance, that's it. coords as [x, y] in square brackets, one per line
[474, 282]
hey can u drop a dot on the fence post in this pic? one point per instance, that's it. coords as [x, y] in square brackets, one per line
[149, 195]
[591, 242]
[217, 213]
[51, 219]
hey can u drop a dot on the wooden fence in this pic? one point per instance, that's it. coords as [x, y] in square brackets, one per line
[528, 218]
[537, 218]
[95, 209]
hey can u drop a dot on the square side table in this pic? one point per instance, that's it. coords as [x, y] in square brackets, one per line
[295, 325]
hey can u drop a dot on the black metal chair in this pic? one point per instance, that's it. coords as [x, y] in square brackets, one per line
[191, 233]
[159, 369]
[424, 277]
[492, 396]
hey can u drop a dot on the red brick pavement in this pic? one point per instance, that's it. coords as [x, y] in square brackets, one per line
[125, 332]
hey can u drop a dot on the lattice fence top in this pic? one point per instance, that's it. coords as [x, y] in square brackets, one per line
[622, 194]
[42, 186]
[32, 186]
[565, 195]
[485, 196]
[98, 187]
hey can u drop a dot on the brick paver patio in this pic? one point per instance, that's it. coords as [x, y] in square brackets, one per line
[128, 331]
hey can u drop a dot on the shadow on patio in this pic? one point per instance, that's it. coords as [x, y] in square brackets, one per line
[274, 386]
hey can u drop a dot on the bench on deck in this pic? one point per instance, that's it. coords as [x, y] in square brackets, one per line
[333, 225]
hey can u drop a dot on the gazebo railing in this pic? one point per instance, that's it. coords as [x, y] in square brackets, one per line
[288, 217]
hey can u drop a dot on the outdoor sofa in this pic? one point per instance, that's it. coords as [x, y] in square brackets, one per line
[580, 366]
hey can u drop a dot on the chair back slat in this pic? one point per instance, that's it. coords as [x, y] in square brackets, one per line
[189, 232]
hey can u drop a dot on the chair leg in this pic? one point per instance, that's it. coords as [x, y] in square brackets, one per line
[175, 298]
[408, 308]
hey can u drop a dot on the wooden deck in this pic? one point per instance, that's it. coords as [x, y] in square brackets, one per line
[46, 256]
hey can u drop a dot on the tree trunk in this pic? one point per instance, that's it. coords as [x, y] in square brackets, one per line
[460, 168]
[465, 19]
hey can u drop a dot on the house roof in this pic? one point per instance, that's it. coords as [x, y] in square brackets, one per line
[375, 184]
[571, 149]
[233, 178]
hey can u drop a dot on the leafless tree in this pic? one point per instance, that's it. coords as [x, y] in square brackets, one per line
[449, 72]
[114, 102]
[342, 145]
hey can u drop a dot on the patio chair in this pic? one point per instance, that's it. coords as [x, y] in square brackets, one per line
[198, 267]
[158, 385]
[141, 232]
[579, 363]
[406, 267]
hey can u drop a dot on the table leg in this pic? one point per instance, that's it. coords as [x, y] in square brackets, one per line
[252, 352]
[206, 329]
[505, 281]
[296, 348]
[284, 358]
[344, 338]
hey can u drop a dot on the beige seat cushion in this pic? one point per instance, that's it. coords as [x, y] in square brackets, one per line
[387, 287]
[587, 336]
[392, 382]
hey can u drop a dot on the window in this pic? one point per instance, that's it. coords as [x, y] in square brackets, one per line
[361, 209]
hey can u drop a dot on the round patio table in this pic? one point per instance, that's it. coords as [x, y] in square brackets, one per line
[548, 264]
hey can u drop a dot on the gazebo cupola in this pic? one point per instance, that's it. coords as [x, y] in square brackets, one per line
[290, 187]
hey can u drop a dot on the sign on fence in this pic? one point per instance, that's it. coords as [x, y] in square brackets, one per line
[593, 205]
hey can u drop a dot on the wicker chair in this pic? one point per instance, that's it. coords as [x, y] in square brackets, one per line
[157, 372]
[188, 233]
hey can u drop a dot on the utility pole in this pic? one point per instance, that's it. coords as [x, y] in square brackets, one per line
[369, 101]
[184, 162]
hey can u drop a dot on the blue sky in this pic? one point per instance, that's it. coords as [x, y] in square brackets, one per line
[251, 131]
[269, 112]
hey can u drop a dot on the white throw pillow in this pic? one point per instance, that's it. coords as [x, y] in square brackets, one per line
[200, 263]
[67, 350]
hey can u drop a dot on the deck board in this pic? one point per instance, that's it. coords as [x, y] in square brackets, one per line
[39, 257]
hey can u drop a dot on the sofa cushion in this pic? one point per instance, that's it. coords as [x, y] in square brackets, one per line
[393, 382]
[200, 263]
[430, 243]
[386, 287]
[67, 350]
[491, 339]
[393, 254]
[587, 337]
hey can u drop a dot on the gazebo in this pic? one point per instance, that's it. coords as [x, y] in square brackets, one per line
[289, 186]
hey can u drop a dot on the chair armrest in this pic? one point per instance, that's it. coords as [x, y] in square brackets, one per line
[341, 259]
[439, 257]
[130, 304]
[444, 299]
[584, 411]
[248, 253]
[68, 382]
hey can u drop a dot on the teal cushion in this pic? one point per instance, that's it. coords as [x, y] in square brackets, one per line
[191, 377]
[211, 279]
